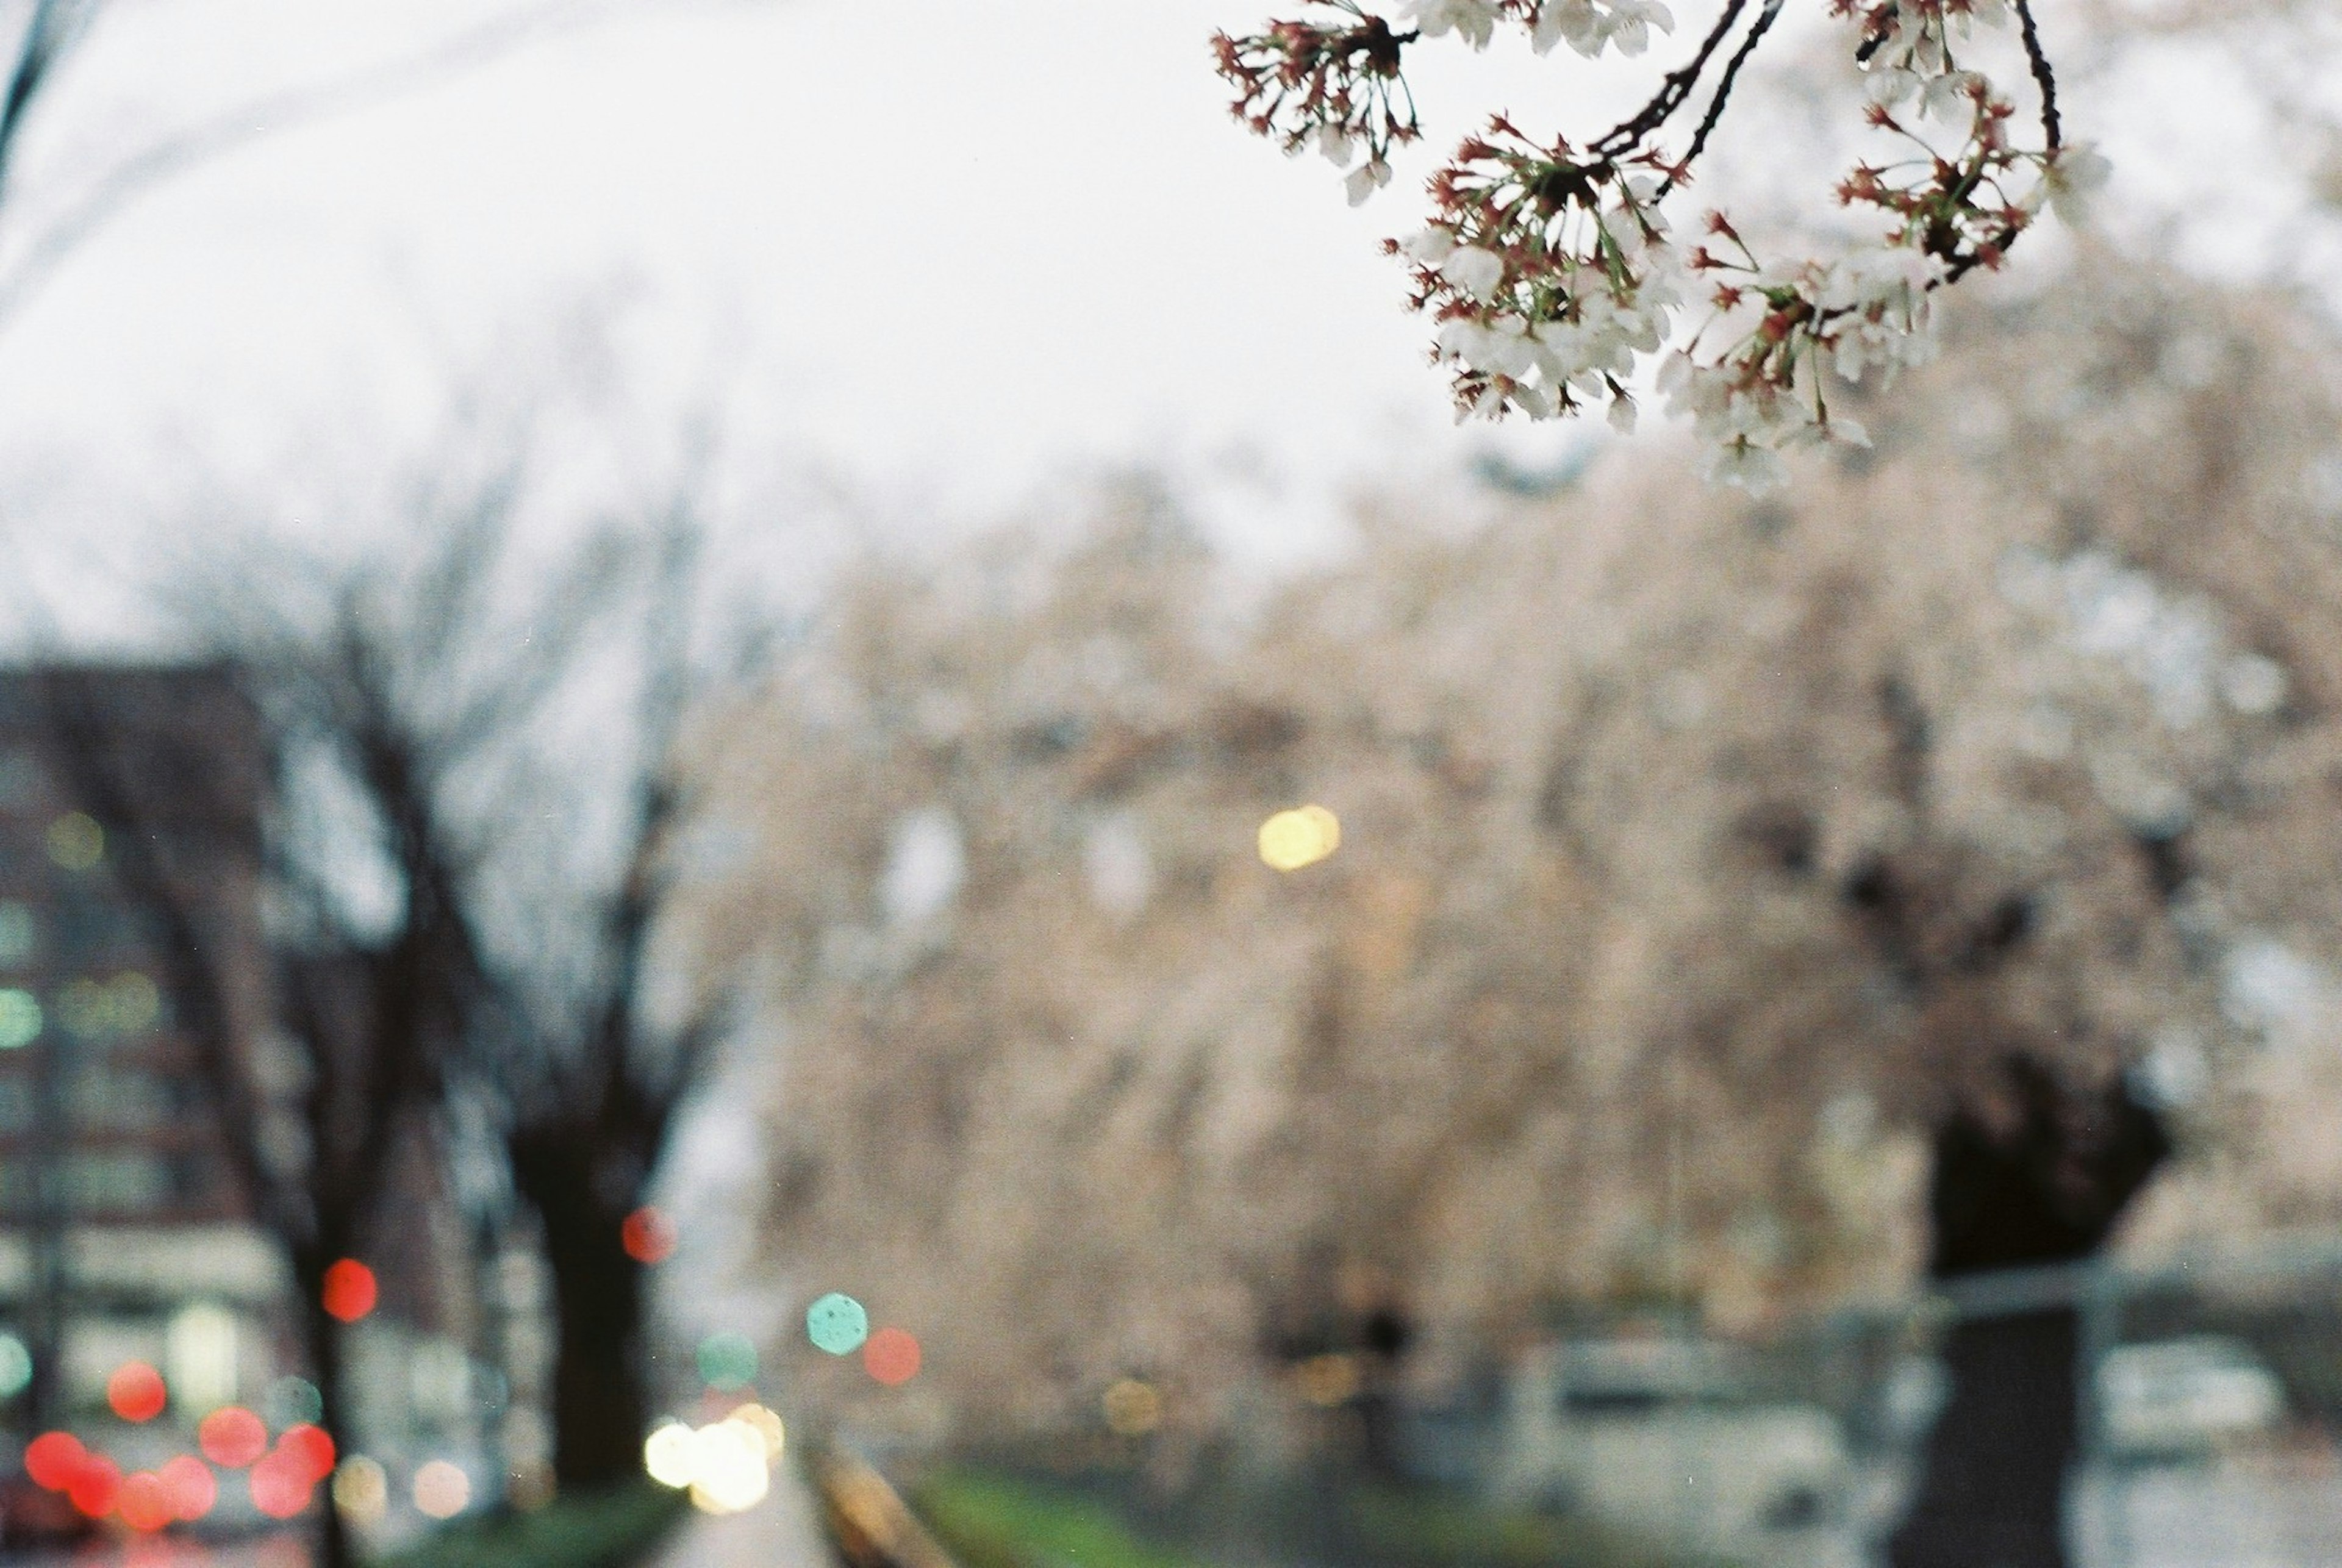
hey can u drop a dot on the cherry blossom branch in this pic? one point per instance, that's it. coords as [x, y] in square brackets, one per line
[1549, 272]
[1301, 83]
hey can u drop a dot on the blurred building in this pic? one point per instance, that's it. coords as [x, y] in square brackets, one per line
[136, 894]
[124, 1231]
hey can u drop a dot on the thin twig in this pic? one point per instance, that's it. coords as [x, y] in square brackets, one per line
[46, 250]
[2042, 75]
[2050, 133]
[44, 41]
[1756, 32]
[1673, 89]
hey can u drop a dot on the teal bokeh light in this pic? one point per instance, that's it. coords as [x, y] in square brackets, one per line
[20, 1019]
[727, 1362]
[837, 1323]
[292, 1401]
[15, 1366]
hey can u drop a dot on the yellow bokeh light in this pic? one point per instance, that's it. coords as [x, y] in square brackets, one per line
[768, 1427]
[1302, 836]
[442, 1491]
[361, 1490]
[76, 841]
[1326, 1381]
[725, 1466]
[671, 1454]
[1133, 1409]
[729, 1473]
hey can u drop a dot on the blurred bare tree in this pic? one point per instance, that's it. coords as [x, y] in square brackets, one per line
[501, 730]
[46, 31]
[467, 745]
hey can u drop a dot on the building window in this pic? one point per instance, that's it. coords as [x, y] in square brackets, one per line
[126, 1005]
[121, 1100]
[113, 1182]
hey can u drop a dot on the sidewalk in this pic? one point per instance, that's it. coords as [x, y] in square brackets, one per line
[782, 1531]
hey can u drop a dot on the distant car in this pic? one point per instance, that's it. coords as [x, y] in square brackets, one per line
[1663, 1436]
[2183, 1398]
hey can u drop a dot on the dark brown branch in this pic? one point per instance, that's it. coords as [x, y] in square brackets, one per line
[1707, 122]
[2051, 132]
[1674, 89]
[2042, 75]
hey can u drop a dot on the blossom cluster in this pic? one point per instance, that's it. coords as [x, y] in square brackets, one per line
[1333, 82]
[1588, 27]
[1335, 87]
[1550, 273]
[1786, 333]
[1547, 272]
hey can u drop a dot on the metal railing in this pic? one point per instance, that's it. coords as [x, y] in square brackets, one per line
[2273, 1505]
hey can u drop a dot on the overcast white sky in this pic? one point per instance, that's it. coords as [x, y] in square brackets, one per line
[927, 256]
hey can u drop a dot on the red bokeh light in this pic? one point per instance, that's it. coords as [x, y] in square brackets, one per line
[281, 1485]
[310, 1447]
[648, 1235]
[145, 1502]
[135, 1391]
[96, 1483]
[193, 1488]
[54, 1459]
[350, 1291]
[232, 1437]
[892, 1356]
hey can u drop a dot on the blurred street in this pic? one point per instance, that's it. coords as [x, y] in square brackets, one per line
[2278, 1512]
[2281, 1511]
[782, 1531]
[287, 1550]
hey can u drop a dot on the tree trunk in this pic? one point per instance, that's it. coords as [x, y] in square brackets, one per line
[600, 1404]
[2044, 1186]
[322, 1347]
[1992, 1493]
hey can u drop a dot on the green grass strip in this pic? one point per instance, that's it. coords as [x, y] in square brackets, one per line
[611, 1529]
[987, 1521]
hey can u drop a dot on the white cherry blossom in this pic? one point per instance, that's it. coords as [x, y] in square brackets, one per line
[1739, 461]
[1588, 27]
[1475, 271]
[1631, 21]
[1473, 21]
[2071, 178]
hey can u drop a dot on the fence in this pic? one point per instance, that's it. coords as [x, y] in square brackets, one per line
[2209, 1394]
[2208, 1401]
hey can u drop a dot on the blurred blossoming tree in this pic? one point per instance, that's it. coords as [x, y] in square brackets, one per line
[1697, 857]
